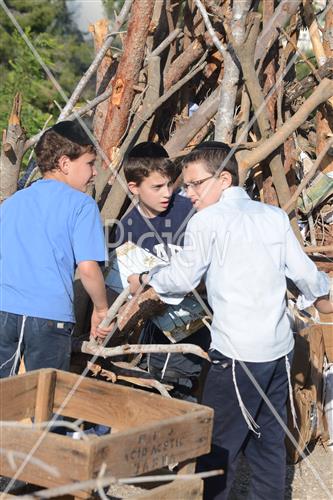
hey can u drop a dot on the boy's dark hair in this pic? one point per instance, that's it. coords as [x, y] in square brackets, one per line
[65, 138]
[214, 154]
[148, 157]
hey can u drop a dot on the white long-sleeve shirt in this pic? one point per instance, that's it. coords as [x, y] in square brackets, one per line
[244, 250]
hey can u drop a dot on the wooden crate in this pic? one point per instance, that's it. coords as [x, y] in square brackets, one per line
[148, 430]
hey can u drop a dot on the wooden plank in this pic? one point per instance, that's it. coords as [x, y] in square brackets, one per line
[187, 467]
[45, 395]
[154, 446]
[191, 489]
[18, 396]
[114, 405]
[53, 459]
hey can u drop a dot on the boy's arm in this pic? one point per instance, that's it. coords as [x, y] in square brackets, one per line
[313, 284]
[325, 304]
[186, 268]
[93, 282]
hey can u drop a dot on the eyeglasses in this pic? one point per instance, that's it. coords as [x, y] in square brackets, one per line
[195, 184]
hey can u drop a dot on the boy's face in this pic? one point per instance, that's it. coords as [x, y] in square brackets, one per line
[80, 171]
[154, 193]
[208, 192]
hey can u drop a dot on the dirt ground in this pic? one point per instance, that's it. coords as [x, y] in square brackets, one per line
[312, 479]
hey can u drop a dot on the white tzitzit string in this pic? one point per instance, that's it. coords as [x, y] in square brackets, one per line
[291, 398]
[18, 355]
[252, 425]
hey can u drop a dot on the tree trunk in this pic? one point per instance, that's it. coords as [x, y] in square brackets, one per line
[324, 118]
[225, 116]
[127, 75]
[12, 148]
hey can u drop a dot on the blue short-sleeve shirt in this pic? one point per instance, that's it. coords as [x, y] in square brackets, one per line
[45, 231]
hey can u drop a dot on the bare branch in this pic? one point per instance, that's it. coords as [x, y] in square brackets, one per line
[177, 33]
[80, 112]
[291, 203]
[224, 125]
[270, 33]
[96, 62]
[106, 481]
[220, 47]
[322, 93]
[106, 352]
[319, 249]
[133, 379]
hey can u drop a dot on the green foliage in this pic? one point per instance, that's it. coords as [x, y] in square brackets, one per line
[50, 28]
[112, 6]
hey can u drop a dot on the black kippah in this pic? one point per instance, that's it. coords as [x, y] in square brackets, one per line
[148, 149]
[213, 145]
[73, 131]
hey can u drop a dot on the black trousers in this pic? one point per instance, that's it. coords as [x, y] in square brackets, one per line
[231, 436]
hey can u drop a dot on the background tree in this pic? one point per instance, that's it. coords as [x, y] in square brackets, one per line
[52, 30]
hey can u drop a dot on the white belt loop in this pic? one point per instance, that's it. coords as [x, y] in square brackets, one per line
[252, 425]
[291, 398]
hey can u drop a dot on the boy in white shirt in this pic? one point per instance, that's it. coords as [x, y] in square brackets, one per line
[244, 250]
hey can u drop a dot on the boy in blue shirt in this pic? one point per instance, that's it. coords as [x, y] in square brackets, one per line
[157, 224]
[47, 230]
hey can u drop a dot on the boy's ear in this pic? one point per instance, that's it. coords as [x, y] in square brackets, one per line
[226, 179]
[63, 164]
[133, 187]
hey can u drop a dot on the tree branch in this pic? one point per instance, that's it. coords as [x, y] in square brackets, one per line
[80, 112]
[96, 62]
[322, 93]
[106, 352]
[319, 249]
[288, 207]
[270, 33]
[177, 33]
[220, 47]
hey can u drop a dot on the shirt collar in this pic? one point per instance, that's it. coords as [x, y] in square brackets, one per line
[234, 192]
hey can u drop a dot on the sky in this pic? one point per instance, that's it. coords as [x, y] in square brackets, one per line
[87, 12]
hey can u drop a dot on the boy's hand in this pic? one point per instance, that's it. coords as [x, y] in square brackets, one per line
[97, 316]
[134, 283]
[324, 305]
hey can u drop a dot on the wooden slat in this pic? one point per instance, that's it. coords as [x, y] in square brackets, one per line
[18, 396]
[155, 445]
[45, 395]
[191, 489]
[67, 456]
[114, 405]
[187, 467]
